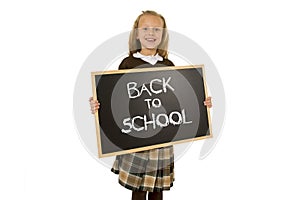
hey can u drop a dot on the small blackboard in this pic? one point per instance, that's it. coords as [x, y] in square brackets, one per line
[148, 108]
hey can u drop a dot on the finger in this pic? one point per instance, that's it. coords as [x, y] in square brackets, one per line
[208, 104]
[91, 100]
[94, 103]
[94, 110]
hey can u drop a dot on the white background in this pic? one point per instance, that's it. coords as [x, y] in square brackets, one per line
[254, 45]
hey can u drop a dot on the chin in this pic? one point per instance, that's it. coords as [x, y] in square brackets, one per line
[151, 47]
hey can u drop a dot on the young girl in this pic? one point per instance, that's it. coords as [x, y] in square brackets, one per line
[150, 171]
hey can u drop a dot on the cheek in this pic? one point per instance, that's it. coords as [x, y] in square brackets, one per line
[139, 34]
[159, 38]
[159, 35]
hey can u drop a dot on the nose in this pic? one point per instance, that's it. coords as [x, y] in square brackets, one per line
[151, 31]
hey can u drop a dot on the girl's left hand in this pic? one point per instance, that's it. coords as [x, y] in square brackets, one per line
[207, 102]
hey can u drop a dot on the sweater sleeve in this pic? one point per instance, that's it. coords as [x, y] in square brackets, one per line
[169, 63]
[123, 64]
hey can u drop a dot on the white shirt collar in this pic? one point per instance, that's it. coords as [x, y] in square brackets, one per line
[150, 59]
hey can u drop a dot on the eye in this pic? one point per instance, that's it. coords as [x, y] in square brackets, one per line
[157, 29]
[145, 29]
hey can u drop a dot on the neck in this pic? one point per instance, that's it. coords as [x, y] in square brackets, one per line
[148, 52]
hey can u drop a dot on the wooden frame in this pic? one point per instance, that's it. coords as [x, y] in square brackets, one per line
[95, 75]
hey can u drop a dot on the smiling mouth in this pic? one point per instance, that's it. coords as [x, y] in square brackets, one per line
[150, 39]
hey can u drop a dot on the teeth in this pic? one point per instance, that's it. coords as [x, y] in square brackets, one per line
[150, 39]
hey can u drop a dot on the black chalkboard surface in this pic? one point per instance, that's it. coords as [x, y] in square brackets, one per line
[149, 108]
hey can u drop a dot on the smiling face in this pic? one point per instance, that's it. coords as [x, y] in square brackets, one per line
[149, 33]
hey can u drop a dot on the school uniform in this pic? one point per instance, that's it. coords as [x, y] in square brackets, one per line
[151, 170]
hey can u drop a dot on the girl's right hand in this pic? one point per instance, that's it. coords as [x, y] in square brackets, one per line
[95, 105]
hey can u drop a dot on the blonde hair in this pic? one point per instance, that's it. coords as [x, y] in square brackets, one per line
[134, 43]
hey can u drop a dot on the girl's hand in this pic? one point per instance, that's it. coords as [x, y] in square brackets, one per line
[95, 105]
[207, 102]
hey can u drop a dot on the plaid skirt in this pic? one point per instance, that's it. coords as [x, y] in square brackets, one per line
[151, 170]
